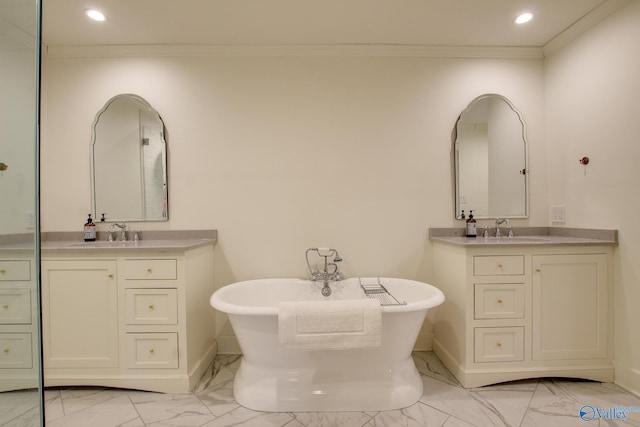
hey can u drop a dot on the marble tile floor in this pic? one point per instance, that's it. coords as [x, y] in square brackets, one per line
[546, 402]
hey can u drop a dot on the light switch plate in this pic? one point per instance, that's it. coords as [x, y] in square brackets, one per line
[30, 220]
[558, 214]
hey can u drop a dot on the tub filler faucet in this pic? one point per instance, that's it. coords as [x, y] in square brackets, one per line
[330, 271]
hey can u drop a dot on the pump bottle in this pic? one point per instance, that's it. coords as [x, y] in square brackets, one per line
[471, 230]
[89, 230]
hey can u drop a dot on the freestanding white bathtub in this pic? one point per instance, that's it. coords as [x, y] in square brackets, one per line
[272, 378]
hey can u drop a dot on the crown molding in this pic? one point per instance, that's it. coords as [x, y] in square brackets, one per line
[598, 14]
[341, 50]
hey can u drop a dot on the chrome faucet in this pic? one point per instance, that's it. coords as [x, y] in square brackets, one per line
[507, 225]
[330, 271]
[123, 231]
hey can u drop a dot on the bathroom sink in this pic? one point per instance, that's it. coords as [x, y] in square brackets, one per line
[519, 239]
[104, 244]
[531, 239]
[178, 244]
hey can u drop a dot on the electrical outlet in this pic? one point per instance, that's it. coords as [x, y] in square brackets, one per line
[558, 214]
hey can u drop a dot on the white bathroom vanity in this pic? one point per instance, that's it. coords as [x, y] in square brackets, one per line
[128, 314]
[524, 307]
[18, 317]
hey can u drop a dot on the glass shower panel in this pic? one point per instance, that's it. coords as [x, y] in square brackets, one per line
[20, 364]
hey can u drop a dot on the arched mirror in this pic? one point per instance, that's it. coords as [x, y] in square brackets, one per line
[128, 162]
[491, 167]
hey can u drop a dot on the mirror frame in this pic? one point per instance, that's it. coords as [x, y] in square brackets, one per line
[148, 106]
[525, 171]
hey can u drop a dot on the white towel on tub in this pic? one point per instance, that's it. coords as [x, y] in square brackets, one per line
[329, 325]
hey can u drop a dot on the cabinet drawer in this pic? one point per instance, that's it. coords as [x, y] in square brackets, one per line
[498, 265]
[499, 344]
[15, 270]
[15, 306]
[150, 269]
[152, 306]
[152, 351]
[499, 300]
[15, 351]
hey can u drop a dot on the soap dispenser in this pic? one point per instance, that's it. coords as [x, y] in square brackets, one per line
[89, 230]
[471, 226]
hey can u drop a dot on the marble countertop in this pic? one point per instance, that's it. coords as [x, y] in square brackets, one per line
[178, 244]
[529, 236]
[152, 240]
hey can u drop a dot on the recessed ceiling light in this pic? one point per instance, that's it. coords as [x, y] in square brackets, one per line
[524, 18]
[94, 14]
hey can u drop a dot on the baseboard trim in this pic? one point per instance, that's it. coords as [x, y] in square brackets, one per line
[228, 344]
[627, 378]
[448, 360]
[203, 364]
[424, 342]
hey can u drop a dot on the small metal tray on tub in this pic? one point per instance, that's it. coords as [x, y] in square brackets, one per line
[378, 291]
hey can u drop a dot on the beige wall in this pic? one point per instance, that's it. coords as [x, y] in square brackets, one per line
[280, 154]
[592, 103]
[17, 133]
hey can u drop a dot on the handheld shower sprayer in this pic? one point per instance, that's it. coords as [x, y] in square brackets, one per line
[325, 274]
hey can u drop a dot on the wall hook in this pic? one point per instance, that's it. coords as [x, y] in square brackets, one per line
[584, 162]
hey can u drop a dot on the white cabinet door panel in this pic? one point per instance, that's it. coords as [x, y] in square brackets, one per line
[570, 301]
[80, 314]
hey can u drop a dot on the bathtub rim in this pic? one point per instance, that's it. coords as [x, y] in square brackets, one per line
[218, 302]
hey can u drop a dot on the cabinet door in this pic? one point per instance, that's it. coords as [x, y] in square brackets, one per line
[570, 307]
[79, 314]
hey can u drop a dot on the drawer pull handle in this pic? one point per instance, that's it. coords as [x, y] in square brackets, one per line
[149, 270]
[110, 276]
[499, 344]
[2, 271]
[152, 351]
[6, 306]
[500, 265]
[499, 300]
[7, 350]
[151, 307]
[538, 270]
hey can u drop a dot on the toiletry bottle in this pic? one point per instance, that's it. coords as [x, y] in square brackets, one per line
[89, 230]
[462, 216]
[471, 226]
